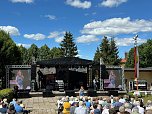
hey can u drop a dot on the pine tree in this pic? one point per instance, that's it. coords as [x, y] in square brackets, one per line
[105, 50]
[114, 58]
[68, 47]
[97, 55]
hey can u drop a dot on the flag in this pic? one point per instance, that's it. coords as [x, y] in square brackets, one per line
[136, 63]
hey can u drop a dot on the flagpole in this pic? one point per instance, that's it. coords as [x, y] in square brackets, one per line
[135, 61]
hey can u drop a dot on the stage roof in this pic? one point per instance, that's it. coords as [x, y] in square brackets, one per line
[65, 61]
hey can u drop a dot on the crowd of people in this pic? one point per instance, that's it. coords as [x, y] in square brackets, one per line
[103, 105]
[13, 107]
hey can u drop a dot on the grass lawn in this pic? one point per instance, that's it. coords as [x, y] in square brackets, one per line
[146, 98]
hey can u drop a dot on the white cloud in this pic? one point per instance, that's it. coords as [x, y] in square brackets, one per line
[79, 4]
[50, 17]
[87, 39]
[116, 26]
[112, 3]
[59, 39]
[128, 41]
[57, 35]
[11, 30]
[22, 1]
[37, 36]
[24, 45]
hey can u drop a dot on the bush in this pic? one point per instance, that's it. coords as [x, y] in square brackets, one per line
[6, 93]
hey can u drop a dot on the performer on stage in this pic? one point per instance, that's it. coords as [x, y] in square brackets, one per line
[112, 80]
[19, 79]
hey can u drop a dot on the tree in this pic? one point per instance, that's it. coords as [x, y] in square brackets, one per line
[105, 50]
[32, 53]
[24, 55]
[97, 55]
[68, 47]
[9, 54]
[55, 52]
[44, 53]
[114, 58]
[108, 51]
[145, 55]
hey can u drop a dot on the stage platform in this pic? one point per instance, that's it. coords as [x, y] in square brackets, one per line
[96, 93]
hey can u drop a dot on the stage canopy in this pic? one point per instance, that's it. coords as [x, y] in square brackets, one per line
[65, 61]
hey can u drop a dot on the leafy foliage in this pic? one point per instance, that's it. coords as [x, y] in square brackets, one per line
[44, 53]
[145, 55]
[55, 52]
[9, 53]
[6, 93]
[68, 47]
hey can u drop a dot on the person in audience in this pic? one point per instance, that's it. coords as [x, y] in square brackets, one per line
[4, 108]
[14, 101]
[81, 109]
[96, 110]
[73, 107]
[11, 109]
[141, 109]
[135, 110]
[18, 108]
[66, 106]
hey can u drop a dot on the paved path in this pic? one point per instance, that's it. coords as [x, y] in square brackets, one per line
[40, 105]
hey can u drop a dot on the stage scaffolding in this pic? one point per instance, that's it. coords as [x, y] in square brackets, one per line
[8, 67]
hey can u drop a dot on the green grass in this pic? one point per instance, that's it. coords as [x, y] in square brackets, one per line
[146, 98]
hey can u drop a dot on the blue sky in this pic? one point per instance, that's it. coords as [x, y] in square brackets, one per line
[45, 22]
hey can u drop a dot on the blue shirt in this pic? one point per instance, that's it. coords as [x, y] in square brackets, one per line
[3, 110]
[97, 111]
[88, 104]
[18, 108]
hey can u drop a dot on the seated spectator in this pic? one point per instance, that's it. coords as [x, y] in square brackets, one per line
[66, 106]
[21, 104]
[112, 111]
[117, 103]
[121, 110]
[96, 110]
[71, 100]
[18, 108]
[4, 108]
[135, 110]
[81, 109]
[73, 107]
[11, 109]
[106, 109]
[127, 107]
[141, 109]
[13, 101]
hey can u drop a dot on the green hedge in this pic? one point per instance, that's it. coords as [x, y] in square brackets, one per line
[6, 93]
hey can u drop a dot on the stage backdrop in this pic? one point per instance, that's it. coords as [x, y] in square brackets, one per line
[114, 79]
[20, 77]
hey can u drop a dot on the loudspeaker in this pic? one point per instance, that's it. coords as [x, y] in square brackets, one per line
[33, 71]
[112, 92]
[92, 93]
[104, 72]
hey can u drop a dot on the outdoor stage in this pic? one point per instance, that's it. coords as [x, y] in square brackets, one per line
[72, 93]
